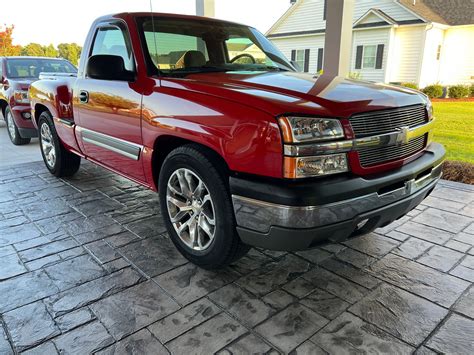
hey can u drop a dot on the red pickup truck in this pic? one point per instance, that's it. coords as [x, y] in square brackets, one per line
[243, 150]
[16, 75]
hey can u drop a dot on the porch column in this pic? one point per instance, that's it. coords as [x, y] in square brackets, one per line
[338, 39]
[205, 8]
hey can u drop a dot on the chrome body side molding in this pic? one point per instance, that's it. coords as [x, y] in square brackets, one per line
[120, 146]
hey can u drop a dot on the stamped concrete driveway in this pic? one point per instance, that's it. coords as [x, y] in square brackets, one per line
[86, 266]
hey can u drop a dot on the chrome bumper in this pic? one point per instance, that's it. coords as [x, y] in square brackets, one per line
[260, 216]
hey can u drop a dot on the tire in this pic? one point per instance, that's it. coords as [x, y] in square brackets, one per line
[12, 129]
[193, 163]
[58, 160]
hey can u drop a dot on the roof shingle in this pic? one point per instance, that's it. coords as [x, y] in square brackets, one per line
[448, 12]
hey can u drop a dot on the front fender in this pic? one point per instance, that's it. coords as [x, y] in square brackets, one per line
[246, 138]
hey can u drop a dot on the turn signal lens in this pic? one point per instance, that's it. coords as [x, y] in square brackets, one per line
[295, 168]
[309, 129]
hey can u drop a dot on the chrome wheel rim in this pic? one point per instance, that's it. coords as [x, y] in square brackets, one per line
[11, 125]
[191, 209]
[47, 145]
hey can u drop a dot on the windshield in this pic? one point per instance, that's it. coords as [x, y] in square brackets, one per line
[178, 47]
[32, 67]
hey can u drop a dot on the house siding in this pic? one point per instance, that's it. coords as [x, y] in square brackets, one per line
[313, 43]
[431, 66]
[303, 17]
[407, 54]
[371, 37]
[457, 56]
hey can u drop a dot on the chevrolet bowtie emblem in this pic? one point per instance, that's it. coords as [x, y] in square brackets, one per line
[403, 135]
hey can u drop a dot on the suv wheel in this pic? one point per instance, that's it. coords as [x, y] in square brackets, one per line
[57, 159]
[197, 208]
[13, 132]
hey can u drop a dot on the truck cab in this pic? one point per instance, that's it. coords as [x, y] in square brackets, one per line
[242, 148]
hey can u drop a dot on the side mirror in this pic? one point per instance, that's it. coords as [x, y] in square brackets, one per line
[296, 65]
[108, 67]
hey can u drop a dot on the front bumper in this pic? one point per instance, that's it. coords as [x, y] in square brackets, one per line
[25, 125]
[349, 206]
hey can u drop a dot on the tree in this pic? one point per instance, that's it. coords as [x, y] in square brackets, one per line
[33, 50]
[6, 42]
[70, 51]
[50, 51]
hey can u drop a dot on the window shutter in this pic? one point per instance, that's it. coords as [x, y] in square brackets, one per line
[293, 55]
[325, 9]
[320, 58]
[379, 60]
[359, 57]
[306, 60]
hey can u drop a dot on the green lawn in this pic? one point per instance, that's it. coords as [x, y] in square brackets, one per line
[455, 129]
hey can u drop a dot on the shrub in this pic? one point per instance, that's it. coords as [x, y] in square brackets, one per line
[411, 85]
[355, 75]
[472, 90]
[433, 91]
[459, 91]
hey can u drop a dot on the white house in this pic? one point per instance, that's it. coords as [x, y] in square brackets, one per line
[394, 41]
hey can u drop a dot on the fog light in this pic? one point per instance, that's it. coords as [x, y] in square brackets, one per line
[26, 115]
[315, 166]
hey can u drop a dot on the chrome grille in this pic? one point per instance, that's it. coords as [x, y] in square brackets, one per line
[374, 156]
[386, 121]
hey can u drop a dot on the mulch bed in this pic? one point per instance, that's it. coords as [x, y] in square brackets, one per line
[459, 171]
[466, 99]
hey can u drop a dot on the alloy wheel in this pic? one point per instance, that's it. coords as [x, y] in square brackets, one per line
[191, 209]
[47, 145]
[11, 125]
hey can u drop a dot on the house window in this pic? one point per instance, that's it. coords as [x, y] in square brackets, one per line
[438, 52]
[369, 57]
[300, 58]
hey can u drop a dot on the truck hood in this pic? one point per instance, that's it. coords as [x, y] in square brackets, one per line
[289, 92]
[21, 84]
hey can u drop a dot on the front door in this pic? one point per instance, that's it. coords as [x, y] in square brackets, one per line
[109, 111]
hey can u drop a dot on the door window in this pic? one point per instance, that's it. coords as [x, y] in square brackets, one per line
[113, 41]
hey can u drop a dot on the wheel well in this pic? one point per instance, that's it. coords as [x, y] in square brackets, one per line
[164, 145]
[3, 107]
[39, 109]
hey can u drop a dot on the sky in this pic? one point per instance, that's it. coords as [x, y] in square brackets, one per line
[65, 21]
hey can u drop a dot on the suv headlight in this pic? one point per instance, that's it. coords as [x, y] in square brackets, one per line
[308, 129]
[21, 96]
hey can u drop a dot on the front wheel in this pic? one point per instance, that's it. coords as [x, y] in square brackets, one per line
[197, 208]
[57, 159]
[13, 132]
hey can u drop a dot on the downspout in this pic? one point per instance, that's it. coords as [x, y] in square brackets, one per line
[420, 67]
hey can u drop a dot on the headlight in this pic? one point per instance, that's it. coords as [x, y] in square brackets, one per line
[21, 96]
[315, 166]
[307, 129]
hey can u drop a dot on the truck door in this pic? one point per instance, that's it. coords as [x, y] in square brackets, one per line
[109, 111]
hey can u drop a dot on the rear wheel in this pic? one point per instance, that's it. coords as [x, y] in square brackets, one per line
[57, 159]
[13, 132]
[197, 208]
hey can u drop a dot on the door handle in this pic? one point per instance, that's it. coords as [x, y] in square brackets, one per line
[83, 96]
